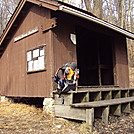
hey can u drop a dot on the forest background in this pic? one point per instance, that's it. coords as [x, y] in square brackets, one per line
[117, 12]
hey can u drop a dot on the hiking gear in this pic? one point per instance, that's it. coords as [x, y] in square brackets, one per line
[70, 74]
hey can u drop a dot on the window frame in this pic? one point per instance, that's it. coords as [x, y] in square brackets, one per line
[36, 57]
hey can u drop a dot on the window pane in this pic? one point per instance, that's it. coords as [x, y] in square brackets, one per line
[30, 66]
[36, 59]
[41, 62]
[35, 65]
[42, 51]
[35, 53]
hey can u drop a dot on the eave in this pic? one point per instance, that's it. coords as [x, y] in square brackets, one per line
[96, 20]
[53, 5]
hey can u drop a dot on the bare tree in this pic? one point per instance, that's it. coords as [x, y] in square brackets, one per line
[88, 4]
[7, 8]
[97, 8]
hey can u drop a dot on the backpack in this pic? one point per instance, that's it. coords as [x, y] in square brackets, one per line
[67, 81]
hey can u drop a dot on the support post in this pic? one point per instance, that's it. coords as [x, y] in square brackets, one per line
[125, 107]
[90, 118]
[105, 114]
[116, 110]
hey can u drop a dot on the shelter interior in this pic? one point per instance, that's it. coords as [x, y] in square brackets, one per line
[94, 58]
[100, 53]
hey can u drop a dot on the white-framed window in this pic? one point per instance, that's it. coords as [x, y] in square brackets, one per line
[36, 59]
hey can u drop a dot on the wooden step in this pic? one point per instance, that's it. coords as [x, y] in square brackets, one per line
[87, 111]
[103, 102]
[90, 96]
[84, 89]
[85, 105]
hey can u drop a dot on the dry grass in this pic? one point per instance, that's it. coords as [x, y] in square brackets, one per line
[25, 119]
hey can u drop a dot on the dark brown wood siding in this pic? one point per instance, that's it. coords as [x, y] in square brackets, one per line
[121, 62]
[15, 81]
[4, 74]
[64, 49]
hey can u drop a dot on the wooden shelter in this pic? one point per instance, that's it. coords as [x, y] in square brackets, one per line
[42, 35]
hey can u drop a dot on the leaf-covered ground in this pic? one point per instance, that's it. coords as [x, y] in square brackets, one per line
[25, 119]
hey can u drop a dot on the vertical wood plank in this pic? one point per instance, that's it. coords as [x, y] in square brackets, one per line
[121, 62]
[90, 118]
[68, 98]
[105, 114]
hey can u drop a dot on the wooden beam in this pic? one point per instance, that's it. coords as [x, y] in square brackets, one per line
[53, 5]
[90, 118]
[70, 113]
[116, 94]
[51, 23]
[112, 102]
[116, 110]
[86, 98]
[125, 108]
[68, 99]
[105, 114]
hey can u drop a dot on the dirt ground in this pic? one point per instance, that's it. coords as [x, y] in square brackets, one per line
[25, 119]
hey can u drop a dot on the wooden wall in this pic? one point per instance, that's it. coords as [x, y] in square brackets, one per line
[15, 81]
[121, 61]
[64, 49]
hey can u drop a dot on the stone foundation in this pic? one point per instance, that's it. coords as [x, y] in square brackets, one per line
[48, 105]
[5, 99]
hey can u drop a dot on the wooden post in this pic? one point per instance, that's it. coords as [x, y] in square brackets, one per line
[116, 94]
[98, 96]
[68, 98]
[116, 110]
[85, 98]
[125, 107]
[105, 114]
[132, 105]
[106, 95]
[90, 118]
[124, 93]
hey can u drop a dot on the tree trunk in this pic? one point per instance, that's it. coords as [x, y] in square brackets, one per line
[88, 5]
[97, 9]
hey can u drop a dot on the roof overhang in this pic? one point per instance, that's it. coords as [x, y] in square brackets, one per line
[95, 20]
[53, 5]
[60, 6]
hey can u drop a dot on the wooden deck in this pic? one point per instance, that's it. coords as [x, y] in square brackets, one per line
[103, 103]
[89, 103]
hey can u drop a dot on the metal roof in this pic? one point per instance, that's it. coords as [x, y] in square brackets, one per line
[96, 20]
[60, 6]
